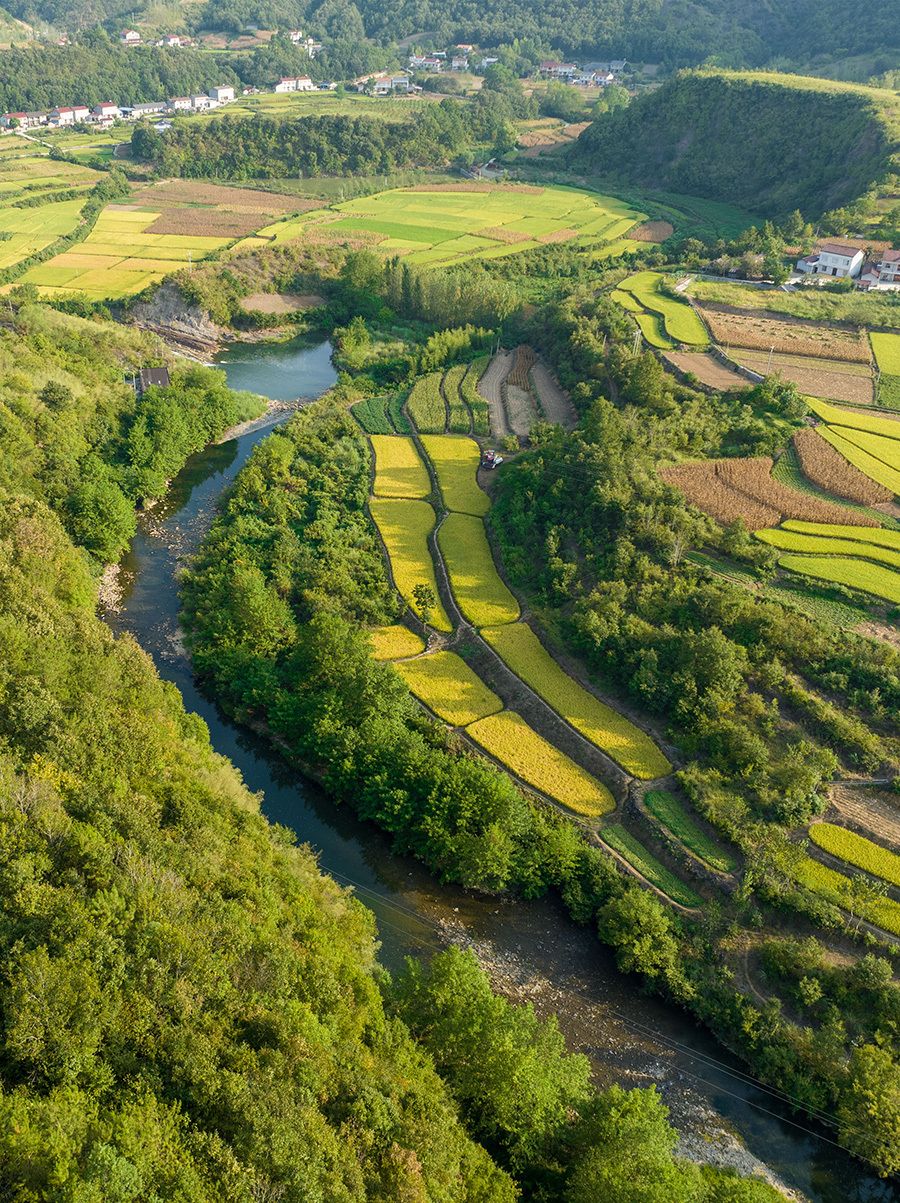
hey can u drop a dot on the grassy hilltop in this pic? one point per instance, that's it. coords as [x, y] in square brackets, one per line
[772, 142]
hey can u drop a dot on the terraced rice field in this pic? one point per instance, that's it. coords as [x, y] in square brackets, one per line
[426, 404]
[824, 465]
[836, 415]
[508, 738]
[834, 887]
[395, 642]
[404, 526]
[31, 230]
[399, 471]
[119, 257]
[863, 534]
[519, 647]
[481, 595]
[855, 574]
[641, 859]
[456, 463]
[449, 688]
[478, 407]
[678, 821]
[793, 540]
[680, 322]
[886, 348]
[869, 453]
[857, 850]
[652, 328]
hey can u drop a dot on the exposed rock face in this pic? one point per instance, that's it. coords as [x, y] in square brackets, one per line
[170, 314]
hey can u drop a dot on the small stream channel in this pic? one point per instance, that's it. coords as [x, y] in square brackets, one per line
[531, 949]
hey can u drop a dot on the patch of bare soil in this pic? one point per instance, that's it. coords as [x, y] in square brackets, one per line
[836, 386]
[707, 369]
[521, 411]
[490, 386]
[552, 398]
[282, 302]
[501, 234]
[557, 236]
[869, 810]
[652, 231]
[207, 223]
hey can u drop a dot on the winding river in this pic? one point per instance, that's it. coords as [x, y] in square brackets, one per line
[531, 949]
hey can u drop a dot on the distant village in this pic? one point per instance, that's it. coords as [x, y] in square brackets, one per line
[460, 58]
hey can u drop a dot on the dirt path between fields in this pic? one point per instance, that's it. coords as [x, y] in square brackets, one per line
[552, 397]
[490, 386]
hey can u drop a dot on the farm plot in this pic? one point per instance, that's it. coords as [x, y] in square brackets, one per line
[652, 870]
[439, 226]
[449, 688]
[667, 809]
[837, 889]
[426, 404]
[745, 489]
[478, 407]
[395, 642]
[519, 647]
[680, 322]
[873, 454]
[877, 536]
[480, 593]
[404, 526]
[793, 540]
[857, 850]
[459, 417]
[886, 348]
[399, 471]
[708, 370]
[854, 573]
[199, 207]
[509, 739]
[31, 230]
[119, 257]
[456, 463]
[652, 328]
[835, 415]
[554, 402]
[824, 465]
[757, 331]
[812, 376]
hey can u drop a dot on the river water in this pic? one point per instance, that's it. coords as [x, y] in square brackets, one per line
[531, 949]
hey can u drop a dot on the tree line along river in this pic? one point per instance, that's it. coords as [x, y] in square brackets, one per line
[532, 950]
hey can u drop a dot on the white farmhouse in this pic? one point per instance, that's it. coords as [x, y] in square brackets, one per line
[105, 112]
[888, 267]
[300, 83]
[69, 115]
[837, 259]
[130, 37]
[223, 94]
[180, 104]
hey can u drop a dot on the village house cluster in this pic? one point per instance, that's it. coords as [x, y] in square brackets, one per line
[462, 57]
[103, 115]
[843, 260]
[131, 37]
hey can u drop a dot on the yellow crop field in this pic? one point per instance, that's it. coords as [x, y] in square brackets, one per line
[863, 534]
[847, 570]
[509, 739]
[456, 459]
[405, 525]
[863, 459]
[399, 471]
[395, 642]
[449, 688]
[602, 726]
[791, 540]
[480, 594]
[835, 888]
[834, 415]
[856, 849]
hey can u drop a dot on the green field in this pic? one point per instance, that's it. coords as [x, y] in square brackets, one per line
[510, 740]
[873, 466]
[864, 534]
[519, 647]
[426, 405]
[455, 462]
[857, 850]
[478, 407]
[460, 419]
[651, 325]
[372, 415]
[399, 471]
[886, 349]
[119, 257]
[395, 642]
[405, 526]
[481, 595]
[834, 887]
[676, 819]
[449, 688]
[855, 574]
[634, 852]
[680, 321]
[792, 540]
[33, 229]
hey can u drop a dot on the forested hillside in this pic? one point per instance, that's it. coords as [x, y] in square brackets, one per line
[771, 143]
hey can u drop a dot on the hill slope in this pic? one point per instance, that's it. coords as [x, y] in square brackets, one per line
[771, 143]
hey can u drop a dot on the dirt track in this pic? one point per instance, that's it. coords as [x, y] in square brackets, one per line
[490, 386]
[553, 400]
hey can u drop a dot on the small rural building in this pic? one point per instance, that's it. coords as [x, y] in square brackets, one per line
[224, 94]
[150, 378]
[459, 63]
[552, 69]
[836, 259]
[23, 120]
[130, 37]
[180, 104]
[104, 112]
[888, 267]
[68, 115]
[147, 108]
[172, 40]
[201, 102]
[382, 83]
[464, 47]
[300, 83]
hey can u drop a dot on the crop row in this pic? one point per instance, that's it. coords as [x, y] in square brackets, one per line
[404, 526]
[849, 571]
[523, 362]
[668, 811]
[837, 889]
[399, 471]
[878, 535]
[395, 642]
[886, 348]
[835, 415]
[478, 407]
[641, 859]
[784, 336]
[826, 545]
[426, 405]
[480, 593]
[460, 420]
[456, 463]
[449, 688]
[824, 465]
[857, 850]
[865, 451]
